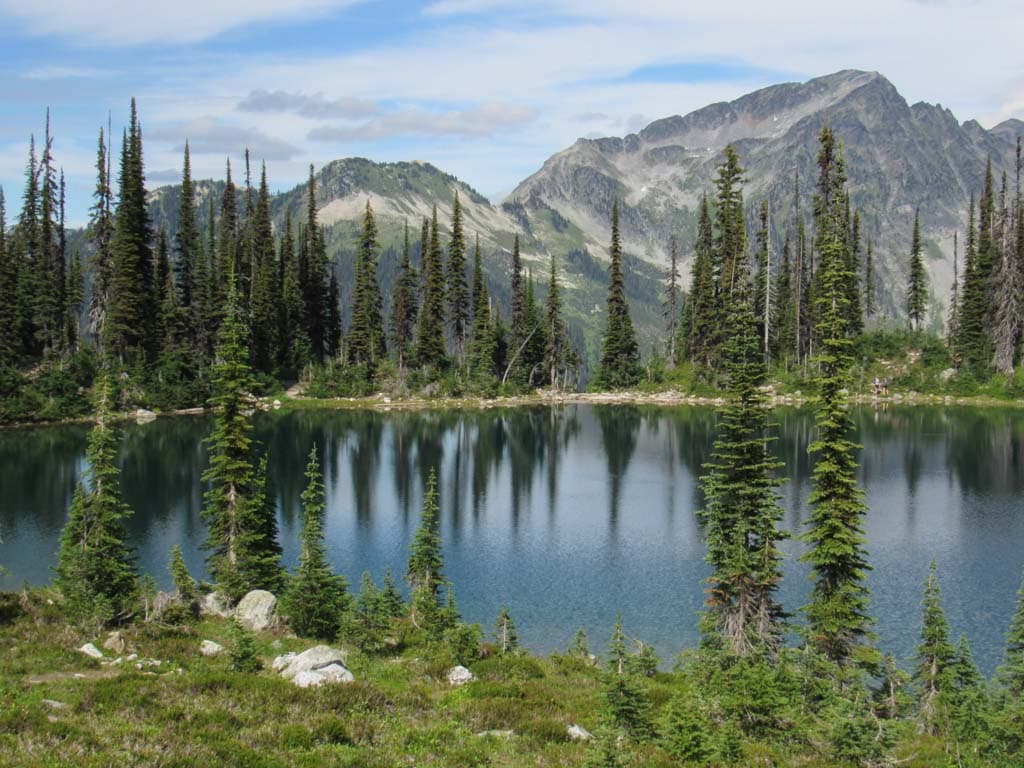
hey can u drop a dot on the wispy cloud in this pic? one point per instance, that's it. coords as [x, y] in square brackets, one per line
[211, 136]
[128, 22]
[314, 106]
[477, 122]
[57, 72]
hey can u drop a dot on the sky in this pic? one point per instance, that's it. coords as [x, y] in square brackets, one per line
[484, 89]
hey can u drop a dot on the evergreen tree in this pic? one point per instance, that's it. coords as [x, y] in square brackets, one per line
[742, 512]
[763, 307]
[482, 350]
[128, 326]
[972, 340]
[619, 366]
[869, 282]
[701, 319]
[917, 286]
[265, 296]
[391, 600]
[730, 251]
[187, 240]
[261, 567]
[430, 347]
[235, 505]
[837, 619]
[670, 306]
[317, 598]
[783, 332]
[314, 278]
[556, 339]
[295, 350]
[424, 572]
[366, 333]
[8, 293]
[531, 360]
[505, 633]
[954, 299]
[855, 318]
[243, 649]
[100, 232]
[457, 294]
[183, 582]
[95, 566]
[626, 700]
[1007, 293]
[74, 293]
[371, 619]
[1012, 670]
[935, 654]
[403, 306]
[27, 259]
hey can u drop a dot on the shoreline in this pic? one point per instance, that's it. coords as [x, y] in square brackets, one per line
[663, 399]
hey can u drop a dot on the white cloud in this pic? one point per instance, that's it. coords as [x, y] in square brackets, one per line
[307, 105]
[211, 136]
[485, 120]
[130, 22]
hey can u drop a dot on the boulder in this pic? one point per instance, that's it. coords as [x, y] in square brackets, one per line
[578, 733]
[115, 642]
[217, 604]
[210, 648]
[91, 651]
[311, 660]
[142, 416]
[459, 676]
[257, 610]
[332, 674]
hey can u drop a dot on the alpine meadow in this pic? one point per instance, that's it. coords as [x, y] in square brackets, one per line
[699, 444]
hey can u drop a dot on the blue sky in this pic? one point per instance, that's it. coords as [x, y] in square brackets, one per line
[485, 89]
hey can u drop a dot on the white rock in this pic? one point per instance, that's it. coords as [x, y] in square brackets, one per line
[142, 416]
[496, 734]
[54, 704]
[91, 651]
[217, 604]
[579, 733]
[210, 648]
[277, 404]
[311, 660]
[459, 675]
[332, 674]
[115, 642]
[257, 610]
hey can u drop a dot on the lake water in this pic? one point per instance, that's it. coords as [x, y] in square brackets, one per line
[569, 514]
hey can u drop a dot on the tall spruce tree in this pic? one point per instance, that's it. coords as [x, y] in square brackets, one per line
[457, 293]
[1008, 277]
[424, 572]
[187, 240]
[517, 316]
[742, 511]
[701, 308]
[95, 566]
[1012, 671]
[366, 332]
[265, 291]
[730, 231]
[837, 615]
[430, 346]
[917, 284]
[403, 307]
[555, 337]
[317, 599]
[935, 654]
[100, 232]
[295, 350]
[8, 293]
[670, 306]
[973, 348]
[869, 282]
[236, 505]
[619, 366]
[482, 346]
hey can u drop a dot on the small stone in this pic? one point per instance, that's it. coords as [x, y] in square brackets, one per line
[210, 648]
[54, 704]
[132, 657]
[277, 404]
[257, 610]
[496, 734]
[578, 733]
[91, 651]
[459, 676]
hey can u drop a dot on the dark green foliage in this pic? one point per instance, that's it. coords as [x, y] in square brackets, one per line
[672, 304]
[684, 728]
[313, 277]
[403, 307]
[579, 647]
[183, 582]
[366, 333]
[187, 240]
[557, 355]
[627, 704]
[457, 293]
[742, 512]
[265, 289]
[917, 284]
[935, 656]
[698, 325]
[619, 366]
[837, 619]
[243, 649]
[370, 621]
[295, 350]
[424, 572]
[430, 346]
[505, 636]
[391, 599]
[483, 342]
[869, 282]
[972, 346]
[317, 598]
[730, 263]
[1013, 666]
[101, 230]
[95, 567]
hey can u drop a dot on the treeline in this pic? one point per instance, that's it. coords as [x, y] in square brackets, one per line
[157, 298]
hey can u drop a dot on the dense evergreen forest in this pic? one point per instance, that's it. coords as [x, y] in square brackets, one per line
[217, 311]
[148, 303]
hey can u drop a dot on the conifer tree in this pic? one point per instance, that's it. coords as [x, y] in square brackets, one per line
[730, 231]
[954, 299]
[1007, 294]
[702, 318]
[869, 281]
[505, 632]
[619, 366]
[742, 512]
[236, 506]
[626, 700]
[837, 619]
[482, 350]
[972, 340]
[917, 286]
[74, 295]
[762, 306]
[457, 294]
[333, 315]
[128, 326]
[100, 231]
[243, 648]
[317, 598]
[535, 342]
[935, 654]
[391, 600]
[517, 317]
[295, 350]
[265, 296]
[187, 240]
[424, 572]
[95, 565]
[430, 346]
[371, 619]
[8, 293]
[854, 315]
[314, 277]
[556, 339]
[1012, 670]
[670, 306]
[27, 258]
[366, 333]
[403, 307]
[783, 332]
[183, 582]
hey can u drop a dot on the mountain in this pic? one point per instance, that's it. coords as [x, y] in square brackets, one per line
[899, 157]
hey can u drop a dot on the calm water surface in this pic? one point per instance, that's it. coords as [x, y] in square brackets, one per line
[569, 514]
